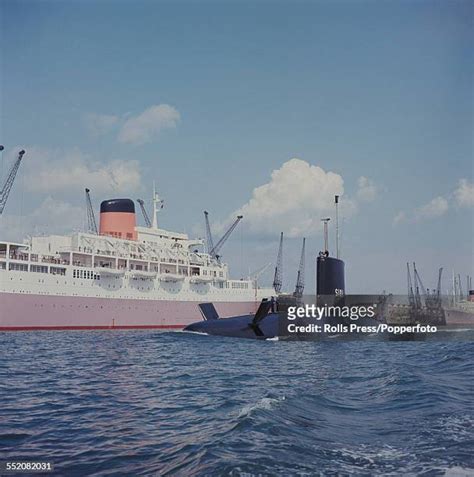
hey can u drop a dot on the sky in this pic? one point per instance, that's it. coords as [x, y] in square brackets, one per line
[265, 108]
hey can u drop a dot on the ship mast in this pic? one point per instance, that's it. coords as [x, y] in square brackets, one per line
[157, 206]
[336, 202]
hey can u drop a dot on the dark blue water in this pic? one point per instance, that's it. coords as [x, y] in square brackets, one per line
[151, 403]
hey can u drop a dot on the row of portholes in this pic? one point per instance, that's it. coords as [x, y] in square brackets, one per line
[173, 298]
[173, 290]
[41, 305]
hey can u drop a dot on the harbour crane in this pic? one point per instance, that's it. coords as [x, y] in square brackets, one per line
[91, 222]
[411, 295]
[212, 249]
[418, 285]
[438, 289]
[6, 188]
[209, 241]
[460, 287]
[141, 202]
[298, 294]
[277, 278]
[435, 301]
[215, 250]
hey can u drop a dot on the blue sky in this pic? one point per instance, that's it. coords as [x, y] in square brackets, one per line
[380, 90]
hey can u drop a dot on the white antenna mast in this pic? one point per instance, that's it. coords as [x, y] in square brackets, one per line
[336, 202]
[157, 206]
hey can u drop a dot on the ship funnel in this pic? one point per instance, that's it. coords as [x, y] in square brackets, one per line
[117, 219]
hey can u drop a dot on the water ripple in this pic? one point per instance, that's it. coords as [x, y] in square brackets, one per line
[152, 403]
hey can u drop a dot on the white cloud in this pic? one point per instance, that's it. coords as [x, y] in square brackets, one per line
[464, 194]
[433, 209]
[295, 199]
[148, 124]
[51, 216]
[99, 124]
[399, 218]
[71, 170]
[367, 190]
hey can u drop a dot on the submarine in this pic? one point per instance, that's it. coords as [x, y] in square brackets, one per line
[262, 325]
[270, 319]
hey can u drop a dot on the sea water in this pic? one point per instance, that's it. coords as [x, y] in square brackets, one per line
[173, 403]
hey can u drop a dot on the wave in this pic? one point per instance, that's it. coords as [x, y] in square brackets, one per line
[178, 405]
[266, 403]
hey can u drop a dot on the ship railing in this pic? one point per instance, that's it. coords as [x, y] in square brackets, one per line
[106, 265]
[138, 268]
[76, 263]
[19, 256]
[51, 260]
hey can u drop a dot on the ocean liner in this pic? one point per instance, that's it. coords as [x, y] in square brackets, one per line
[121, 276]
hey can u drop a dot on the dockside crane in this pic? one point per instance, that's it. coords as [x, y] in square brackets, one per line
[91, 222]
[298, 294]
[438, 289]
[7, 186]
[418, 286]
[215, 250]
[209, 241]
[141, 202]
[435, 300]
[460, 287]
[277, 278]
[411, 295]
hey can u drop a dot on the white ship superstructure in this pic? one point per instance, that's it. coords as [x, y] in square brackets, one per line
[124, 276]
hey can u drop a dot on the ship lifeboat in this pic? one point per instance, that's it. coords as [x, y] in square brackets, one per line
[115, 272]
[171, 277]
[142, 274]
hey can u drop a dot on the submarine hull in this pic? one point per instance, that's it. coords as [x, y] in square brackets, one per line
[238, 327]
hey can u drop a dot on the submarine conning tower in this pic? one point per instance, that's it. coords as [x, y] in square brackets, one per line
[117, 219]
[329, 270]
[329, 275]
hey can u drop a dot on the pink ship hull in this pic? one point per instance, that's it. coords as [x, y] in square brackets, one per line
[37, 312]
[458, 317]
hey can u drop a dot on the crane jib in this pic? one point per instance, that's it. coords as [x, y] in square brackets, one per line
[7, 186]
